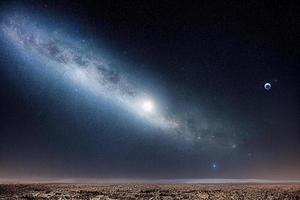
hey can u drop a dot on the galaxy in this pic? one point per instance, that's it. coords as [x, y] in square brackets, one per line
[86, 68]
[138, 90]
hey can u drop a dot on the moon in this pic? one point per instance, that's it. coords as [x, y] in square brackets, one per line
[267, 86]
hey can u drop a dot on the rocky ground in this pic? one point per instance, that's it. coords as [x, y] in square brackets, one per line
[149, 191]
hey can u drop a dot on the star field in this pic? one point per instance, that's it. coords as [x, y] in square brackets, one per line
[143, 90]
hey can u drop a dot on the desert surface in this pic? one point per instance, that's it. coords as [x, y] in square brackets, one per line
[149, 191]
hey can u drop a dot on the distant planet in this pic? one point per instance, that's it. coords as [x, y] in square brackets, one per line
[267, 86]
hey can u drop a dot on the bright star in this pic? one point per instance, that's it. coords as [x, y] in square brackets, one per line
[148, 106]
[214, 165]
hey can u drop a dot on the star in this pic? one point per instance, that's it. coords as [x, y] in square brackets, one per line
[214, 165]
[148, 106]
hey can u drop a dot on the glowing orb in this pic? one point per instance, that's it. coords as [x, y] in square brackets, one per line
[267, 86]
[148, 106]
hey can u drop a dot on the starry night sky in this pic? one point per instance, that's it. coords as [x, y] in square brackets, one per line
[203, 66]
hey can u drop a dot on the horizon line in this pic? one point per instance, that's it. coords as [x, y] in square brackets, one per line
[145, 181]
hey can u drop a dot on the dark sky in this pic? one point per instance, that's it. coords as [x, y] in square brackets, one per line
[203, 67]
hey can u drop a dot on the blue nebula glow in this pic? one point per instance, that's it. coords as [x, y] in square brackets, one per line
[70, 59]
[86, 69]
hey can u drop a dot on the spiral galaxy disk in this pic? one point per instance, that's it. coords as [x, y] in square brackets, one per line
[84, 67]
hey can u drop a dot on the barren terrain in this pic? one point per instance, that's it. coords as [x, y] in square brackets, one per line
[149, 191]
